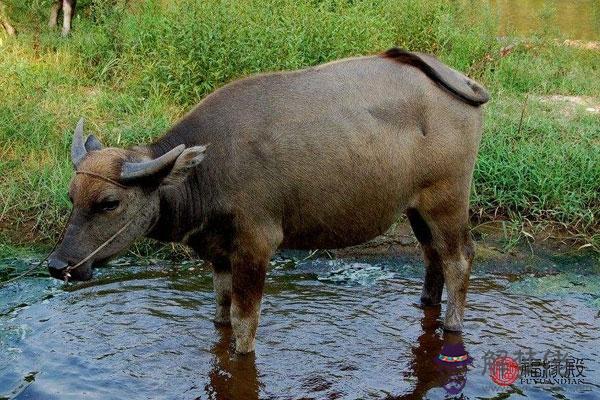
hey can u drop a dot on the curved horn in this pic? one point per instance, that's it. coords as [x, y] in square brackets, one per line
[136, 170]
[78, 150]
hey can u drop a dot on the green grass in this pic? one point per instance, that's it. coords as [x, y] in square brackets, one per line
[133, 68]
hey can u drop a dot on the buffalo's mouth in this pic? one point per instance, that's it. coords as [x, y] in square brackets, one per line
[60, 269]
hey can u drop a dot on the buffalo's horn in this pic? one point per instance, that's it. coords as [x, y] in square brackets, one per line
[78, 150]
[136, 170]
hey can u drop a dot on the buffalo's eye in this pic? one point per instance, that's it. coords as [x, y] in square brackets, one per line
[107, 205]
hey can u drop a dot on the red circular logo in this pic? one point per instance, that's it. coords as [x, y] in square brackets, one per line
[504, 371]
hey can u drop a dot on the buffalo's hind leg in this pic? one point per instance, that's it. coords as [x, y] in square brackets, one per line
[447, 247]
[433, 284]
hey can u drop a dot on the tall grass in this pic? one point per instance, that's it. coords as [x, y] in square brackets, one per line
[133, 68]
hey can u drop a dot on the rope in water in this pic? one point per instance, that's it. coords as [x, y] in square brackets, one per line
[39, 264]
[27, 272]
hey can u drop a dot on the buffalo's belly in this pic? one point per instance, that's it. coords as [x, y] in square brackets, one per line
[318, 236]
[345, 215]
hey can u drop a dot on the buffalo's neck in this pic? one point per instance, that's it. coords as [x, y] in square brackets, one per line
[180, 211]
[184, 208]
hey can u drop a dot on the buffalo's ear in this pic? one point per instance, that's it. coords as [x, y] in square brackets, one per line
[184, 164]
[92, 143]
[171, 168]
[80, 147]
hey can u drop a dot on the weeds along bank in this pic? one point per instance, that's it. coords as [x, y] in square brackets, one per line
[133, 68]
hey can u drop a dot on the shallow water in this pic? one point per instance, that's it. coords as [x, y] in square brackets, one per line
[329, 329]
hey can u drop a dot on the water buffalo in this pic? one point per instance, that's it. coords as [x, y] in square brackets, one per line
[68, 9]
[323, 157]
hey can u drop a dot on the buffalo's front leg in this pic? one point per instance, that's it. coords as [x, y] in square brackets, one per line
[248, 267]
[248, 281]
[434, 275]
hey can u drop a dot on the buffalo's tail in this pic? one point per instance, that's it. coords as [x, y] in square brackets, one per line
[453, 81]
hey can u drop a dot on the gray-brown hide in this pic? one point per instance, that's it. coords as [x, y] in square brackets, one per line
[323, 157]
[68, 9]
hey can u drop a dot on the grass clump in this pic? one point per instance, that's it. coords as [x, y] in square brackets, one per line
[133, 68]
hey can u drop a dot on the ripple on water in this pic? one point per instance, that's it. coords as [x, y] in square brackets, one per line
[338, 330]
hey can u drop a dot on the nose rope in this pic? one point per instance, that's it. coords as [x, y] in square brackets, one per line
[67, 274]
[62, 235]
[93, 253]
[101, 177]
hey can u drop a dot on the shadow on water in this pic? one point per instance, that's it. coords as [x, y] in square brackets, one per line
[343, 328]
[429, 373]
[232, 376]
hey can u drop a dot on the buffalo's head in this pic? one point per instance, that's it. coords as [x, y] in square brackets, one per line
[114, 193]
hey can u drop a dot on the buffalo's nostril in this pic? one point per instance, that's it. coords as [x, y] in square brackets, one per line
[56, 267]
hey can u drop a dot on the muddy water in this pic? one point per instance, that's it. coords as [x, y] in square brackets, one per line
[330, 329]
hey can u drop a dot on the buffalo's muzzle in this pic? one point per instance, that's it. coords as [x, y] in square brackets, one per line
[57, 267]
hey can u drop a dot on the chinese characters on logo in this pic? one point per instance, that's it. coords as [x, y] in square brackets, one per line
[554, 368]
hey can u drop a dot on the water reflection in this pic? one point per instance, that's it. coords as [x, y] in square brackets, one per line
[425, 365]
[236, 377]
[232, 376]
